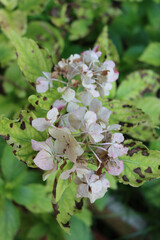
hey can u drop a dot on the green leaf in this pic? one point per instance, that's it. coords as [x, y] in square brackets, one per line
[31, 60]
[151, 54]
[155, 145]
[13, 21]
[65, 203]
[137, 84]
[9, 4]
[9, 220]
[79, 230]
[43, 102]
[14, 81]
[7, 106]
[140, 164]
[19, 133]
[32, 7]
[133, 120]
[7, 53]
[151, 106]
[79, 29]
[47, 37]
[106, 46]
[37, 231]
[34, 197]
[11, 167]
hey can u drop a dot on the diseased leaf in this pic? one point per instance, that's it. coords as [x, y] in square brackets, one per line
[9, 220]
[19, 133]
[107, 47]
[151, 106]
[151, 54]
[137, 84]
[34, 197]
[43, 102]
[64, 201]
[32, 7]
[140, 164]
[133, 120]
[31, 60]
[13, 21]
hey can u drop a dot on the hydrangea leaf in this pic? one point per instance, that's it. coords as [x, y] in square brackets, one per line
[151, 106]
[140, 164]
[7, 53]
[107, 47]
[7, 106]
[31, 60]
[64, 201]
[133, 120]
[9, 219]
[151, 54]
[145, 81]
[18, 134]
[47, 36]
[32, 7]
[43, 101]
[79, 29]
[34, 197]
[9, 4]
[13, 21]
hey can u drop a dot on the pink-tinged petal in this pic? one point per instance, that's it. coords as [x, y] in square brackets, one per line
[95, 49]
[117, 150]
[59, 104]
[52, 114]
[38, 146]
[109, 64]
[41, 124]
[117, 137]
[115, 171]
[41, 85]
[94, 93]
[66, 174]
[44, 160]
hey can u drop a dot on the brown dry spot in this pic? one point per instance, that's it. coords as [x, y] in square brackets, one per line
[145, 153]
[32, 51]
[135, 150]
[23, 125]
[37, 102]
[138, 181]
[14, 152]
[30, 107]
[79, 205]
[30, 120]
[126, 124]
[146, 90]
[130, 144]
[55, 207]
[125, 178]
[148, 170]
[44, 98]
[20, 117]
[5, 137]
[54, 188]
[138, 171]
[126, 106]
[66, 225]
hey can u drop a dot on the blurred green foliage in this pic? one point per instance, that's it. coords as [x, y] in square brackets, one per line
[128, 32]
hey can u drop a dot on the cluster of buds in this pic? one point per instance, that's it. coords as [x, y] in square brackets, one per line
[78, 124]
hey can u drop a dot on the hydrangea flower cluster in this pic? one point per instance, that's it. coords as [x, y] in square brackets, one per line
[78, 124]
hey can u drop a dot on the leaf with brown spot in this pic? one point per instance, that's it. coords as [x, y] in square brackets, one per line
[20, 135]
[139, 167]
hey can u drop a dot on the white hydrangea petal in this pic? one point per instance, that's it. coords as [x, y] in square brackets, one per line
[41, 124]
[115, 171]
[72, 107]
[52, 114]
[60, 89]
[86, 98]
[41, 85]
[82, 191]
[90, 117]
[47, 75]
[117, 150]
[37, 146]
[68, 95]
[49, 172]
[114, 127]
[117, 137]
[44, 160]
[95, 105]
[66, 174]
